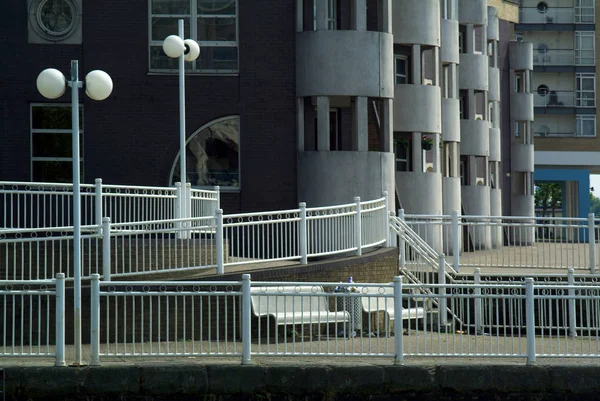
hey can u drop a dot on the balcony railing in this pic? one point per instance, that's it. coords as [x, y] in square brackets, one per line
[562, 135]
[554, 15]
[559, 57]
[554, 99]
[557, 15]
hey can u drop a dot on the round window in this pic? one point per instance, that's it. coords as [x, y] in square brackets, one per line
[543, 90]
[542, 49]
[542, 7]
[56, 17]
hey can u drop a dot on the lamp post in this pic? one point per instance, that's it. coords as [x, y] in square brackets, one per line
[175, 46]
[52, 84]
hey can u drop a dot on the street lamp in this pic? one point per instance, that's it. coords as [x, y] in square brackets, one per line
[175, 46]
[52, 84]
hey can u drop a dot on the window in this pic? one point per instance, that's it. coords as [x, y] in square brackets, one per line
[52, 142]
[332, 8]
[585, 125]
[54, 21]
[401, 70]
[542, 7]
[402, 152]
[586, 90]
[584, 11]
[461, 44]
[212, 155]
[212, 23]
[585, 53]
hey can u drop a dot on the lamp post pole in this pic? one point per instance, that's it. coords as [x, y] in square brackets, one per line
[182, 161]
[75, 85]
[52, 84]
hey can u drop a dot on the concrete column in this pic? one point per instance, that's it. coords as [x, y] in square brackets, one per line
[417, 152]
[386, 15]
[416, 65]
[456, 156]
[527, 81]
[299, 15]
[300, 123]
[387, 125]
[470, 39]
[360, 124]
[323, 140]
[321, 15]
[437, 64]
[359, 17]
[436, 153]
[472, 171]
[486, 116]
[453, 81]
[471, 106]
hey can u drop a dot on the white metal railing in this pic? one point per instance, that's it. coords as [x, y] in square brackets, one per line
[512, 241]
[554, 57]
[32, 318]
[213, 242]
[40, 254]
[38, 204]
[554, 99]
[511, 320]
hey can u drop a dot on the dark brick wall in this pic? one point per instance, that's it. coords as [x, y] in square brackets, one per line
[132, 137]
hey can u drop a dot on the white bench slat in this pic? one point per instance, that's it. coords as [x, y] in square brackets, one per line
[287, 309]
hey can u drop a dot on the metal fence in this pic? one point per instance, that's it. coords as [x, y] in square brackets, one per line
[245, 319]
[511, 241]
[39, 205]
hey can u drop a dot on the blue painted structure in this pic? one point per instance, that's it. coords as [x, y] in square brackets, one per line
[561, 176]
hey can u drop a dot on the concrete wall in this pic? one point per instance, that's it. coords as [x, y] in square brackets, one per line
[333, 178]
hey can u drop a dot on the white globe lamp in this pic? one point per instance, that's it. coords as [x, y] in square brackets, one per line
[51, 83]
[192, 50]
[173, 46]
[98, 85]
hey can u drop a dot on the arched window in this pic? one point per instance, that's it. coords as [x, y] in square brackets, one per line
[212, 155]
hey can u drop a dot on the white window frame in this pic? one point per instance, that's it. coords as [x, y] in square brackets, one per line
[585, 12]
[405, 161]
[579, 120]
[332, 8]
[44, 131]
[191, 22]
[584, 101]
[585, 56]
[397, 75]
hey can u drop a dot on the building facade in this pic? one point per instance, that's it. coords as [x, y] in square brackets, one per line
[564, 85]
[328, 100]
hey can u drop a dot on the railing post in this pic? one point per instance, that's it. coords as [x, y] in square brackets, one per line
[530, 321]
[386, 225]
[443, 313]
[217, 189]
[358, 227]
[106, 274]
[398, 336]
[98, 212]
[478, 302]
[401, 243]
[60, 320]
[392, 234]
[246, 329]
[455, 240]
[179, 208]
[302, 244]
[219, 235]
[592, 241]
[571, 294]
[95, 321]
[188, 200]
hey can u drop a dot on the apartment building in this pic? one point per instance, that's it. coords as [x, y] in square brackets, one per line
[564, 85]
[290, 101]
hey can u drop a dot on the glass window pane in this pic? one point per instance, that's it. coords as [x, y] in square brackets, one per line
[54, 117]
[216, 7]
[52, 171]
[213, 156]
[219, 58]
[52, 145]
[163, 27]
[170, 6]
[217, 29]
[160, 61]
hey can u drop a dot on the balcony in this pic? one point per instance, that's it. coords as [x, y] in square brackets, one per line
[563, 57]
[564, 99]
[543, 134]
[556, 15]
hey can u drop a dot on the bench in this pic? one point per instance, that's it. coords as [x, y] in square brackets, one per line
[294, 304]
[382, 300]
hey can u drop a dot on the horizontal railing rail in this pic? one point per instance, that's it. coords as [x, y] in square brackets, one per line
[556, 15]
